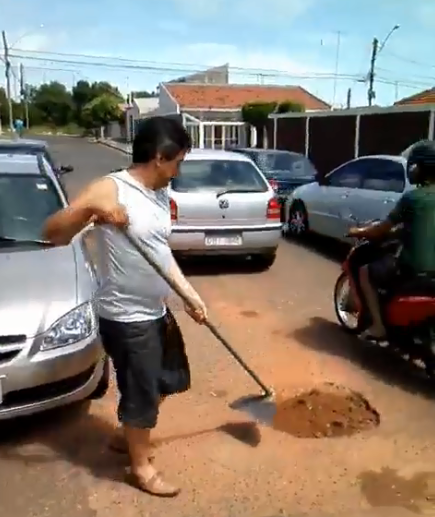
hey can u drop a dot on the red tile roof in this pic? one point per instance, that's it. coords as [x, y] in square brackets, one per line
[234, 96]
[425, 97]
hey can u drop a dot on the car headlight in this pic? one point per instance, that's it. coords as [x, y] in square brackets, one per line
[78, 324]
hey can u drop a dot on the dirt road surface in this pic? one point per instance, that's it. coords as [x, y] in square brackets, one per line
[282, 321]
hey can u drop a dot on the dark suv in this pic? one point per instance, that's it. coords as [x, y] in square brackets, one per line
[284, 170]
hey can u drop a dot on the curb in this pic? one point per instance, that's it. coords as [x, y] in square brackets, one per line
[112, 145]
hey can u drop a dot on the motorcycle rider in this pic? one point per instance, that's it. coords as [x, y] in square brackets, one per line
[415, 213]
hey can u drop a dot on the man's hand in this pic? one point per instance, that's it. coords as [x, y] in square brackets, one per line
[197, 310]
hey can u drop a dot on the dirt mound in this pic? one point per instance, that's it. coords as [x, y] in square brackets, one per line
[325, 412]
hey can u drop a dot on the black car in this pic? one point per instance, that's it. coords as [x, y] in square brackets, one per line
[32, 147]
[284, 170]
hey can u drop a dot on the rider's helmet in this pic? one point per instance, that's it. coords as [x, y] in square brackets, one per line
[421, 162]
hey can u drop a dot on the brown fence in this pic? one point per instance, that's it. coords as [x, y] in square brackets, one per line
[332, 139]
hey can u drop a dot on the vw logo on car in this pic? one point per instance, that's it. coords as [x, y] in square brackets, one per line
[223, 204]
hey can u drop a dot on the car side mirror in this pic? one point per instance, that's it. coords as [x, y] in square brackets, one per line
[63, 169]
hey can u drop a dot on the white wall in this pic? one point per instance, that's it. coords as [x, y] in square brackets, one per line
[167, 106]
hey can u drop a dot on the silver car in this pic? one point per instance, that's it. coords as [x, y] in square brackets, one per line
[221, 204]
[32, 147]
[50, 353]
[363, 189]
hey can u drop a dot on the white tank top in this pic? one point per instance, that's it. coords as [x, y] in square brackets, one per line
[130, 289]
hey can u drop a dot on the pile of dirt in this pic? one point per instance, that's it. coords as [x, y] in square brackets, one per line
[325, 412]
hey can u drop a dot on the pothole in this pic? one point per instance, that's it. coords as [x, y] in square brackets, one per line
[328, 411]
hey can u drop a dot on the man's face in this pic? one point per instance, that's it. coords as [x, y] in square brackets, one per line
[168, 169]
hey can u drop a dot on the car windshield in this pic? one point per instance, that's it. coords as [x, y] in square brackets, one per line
[26, 200]
[218, 176]
[294, 164]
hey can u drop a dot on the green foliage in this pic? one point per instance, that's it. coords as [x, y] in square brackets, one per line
[53, 106]
[101, 110]
[256, 114]
[290, 107]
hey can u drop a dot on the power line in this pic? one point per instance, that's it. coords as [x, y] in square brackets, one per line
[409, 60]
[156, 65]
[147, 68]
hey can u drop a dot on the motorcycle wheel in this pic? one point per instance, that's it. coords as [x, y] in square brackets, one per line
[346, 314]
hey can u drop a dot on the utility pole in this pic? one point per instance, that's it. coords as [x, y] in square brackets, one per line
[337, 63]
[349, 98]
[23, 93]
[371, 95]
[8, 79]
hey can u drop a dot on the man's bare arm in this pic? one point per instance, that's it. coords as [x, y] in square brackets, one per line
[61, 227]
[181, 281]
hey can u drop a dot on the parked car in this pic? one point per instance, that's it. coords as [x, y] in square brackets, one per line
[284, 170]
[362, 189]
[50, 353]
[221, 204]
[33, 147]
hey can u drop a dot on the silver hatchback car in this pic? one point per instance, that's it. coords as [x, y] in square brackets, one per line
[221, 204]
[50, 353]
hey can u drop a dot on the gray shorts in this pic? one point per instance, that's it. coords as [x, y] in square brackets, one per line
[150, 362]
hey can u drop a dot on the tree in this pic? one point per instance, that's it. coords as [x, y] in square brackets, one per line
[144, 95]
[102, 88]
[290, 107]
[54, 102]
[256, 114]
[102, 110]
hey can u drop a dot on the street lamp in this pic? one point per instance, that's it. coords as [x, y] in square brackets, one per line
[376, 49]
[25, 35]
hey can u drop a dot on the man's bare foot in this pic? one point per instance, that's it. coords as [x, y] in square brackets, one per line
[152, 483]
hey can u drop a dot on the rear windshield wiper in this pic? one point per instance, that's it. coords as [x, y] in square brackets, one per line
[4, 238]
[236, 191]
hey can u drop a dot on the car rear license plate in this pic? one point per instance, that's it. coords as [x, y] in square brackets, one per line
[223, 240]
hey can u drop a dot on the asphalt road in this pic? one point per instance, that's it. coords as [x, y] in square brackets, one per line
[282, 321]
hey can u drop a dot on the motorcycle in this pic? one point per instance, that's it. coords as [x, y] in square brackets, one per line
[408, 310]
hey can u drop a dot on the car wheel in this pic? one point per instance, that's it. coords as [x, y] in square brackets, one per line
[265, 262]
[103, 385]
[297, 222]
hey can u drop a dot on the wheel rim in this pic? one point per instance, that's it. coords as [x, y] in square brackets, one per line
[346, 310]
[297, 222]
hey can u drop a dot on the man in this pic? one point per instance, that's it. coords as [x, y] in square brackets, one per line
[415, 212]
[134, 320]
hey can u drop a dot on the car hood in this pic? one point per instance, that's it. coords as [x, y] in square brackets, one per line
[37, 287]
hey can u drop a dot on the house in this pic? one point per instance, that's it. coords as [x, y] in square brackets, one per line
[217, 75]
[138, 109]
[424, 97]
[212, 113]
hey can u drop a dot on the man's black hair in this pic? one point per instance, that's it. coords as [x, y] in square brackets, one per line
[164, 136]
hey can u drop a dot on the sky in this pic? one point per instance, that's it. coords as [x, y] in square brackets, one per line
[322, 45]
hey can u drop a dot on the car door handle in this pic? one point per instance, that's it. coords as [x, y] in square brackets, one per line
[345, 196]
[389, 200]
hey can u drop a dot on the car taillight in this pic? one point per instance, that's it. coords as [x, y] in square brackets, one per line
[273, 184]
[274, 210]
[174, 210]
